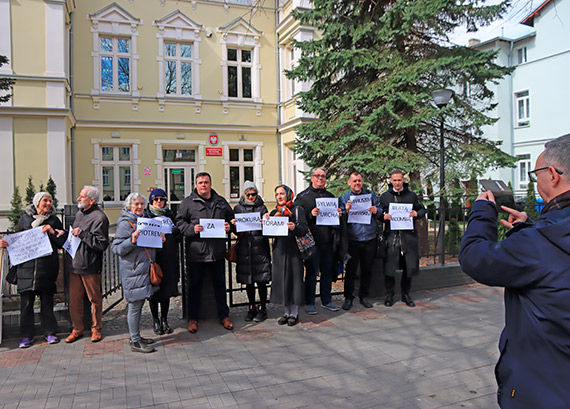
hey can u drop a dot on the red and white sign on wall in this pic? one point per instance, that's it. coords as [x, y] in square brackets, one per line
[146, 171]
[213, 151]
[214, 139]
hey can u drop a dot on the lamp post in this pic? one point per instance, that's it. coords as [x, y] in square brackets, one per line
[441, 98]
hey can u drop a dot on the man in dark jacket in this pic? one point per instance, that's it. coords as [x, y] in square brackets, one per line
[403, 248]
[533, 264]
[92, 227]
[323, 235]
[361, 242]
[204, 255]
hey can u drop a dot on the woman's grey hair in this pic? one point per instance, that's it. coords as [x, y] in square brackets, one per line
[131, 198]
[92, 192]
[557, 153]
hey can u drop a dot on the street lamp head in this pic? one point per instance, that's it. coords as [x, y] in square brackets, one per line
[441, 97]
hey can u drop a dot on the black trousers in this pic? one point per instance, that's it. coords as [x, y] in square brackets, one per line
[405, 283]
[47, 317]
[362, 253]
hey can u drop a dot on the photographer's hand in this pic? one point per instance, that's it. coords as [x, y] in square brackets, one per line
[514, 217]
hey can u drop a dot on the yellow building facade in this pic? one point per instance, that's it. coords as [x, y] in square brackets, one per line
[137, 94]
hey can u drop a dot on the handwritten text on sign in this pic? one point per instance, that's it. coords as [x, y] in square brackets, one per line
[328, 215]
[248, 221]
[359, 212]
[166, 224]
[149, 233]
[27, 245]
[71, 244]
[213, 229]
[275, 226]
[401, 219]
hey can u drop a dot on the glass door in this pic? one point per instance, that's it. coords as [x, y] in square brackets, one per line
[179, 181]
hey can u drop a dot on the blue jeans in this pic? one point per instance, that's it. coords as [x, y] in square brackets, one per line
[134, 310]
[322, 259]
[196, 273]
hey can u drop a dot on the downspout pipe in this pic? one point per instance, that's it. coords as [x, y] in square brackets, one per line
[278, 62]
[511, 108]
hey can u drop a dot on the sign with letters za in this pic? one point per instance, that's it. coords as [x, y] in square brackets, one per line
[248, 221]
[359, 212]
[27, 245]
[401, 219]
[213, 229]
[328, 215]
[149, 233]
[275, 226]
[71, 244]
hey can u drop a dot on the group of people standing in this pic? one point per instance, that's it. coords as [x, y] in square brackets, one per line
[293, 280]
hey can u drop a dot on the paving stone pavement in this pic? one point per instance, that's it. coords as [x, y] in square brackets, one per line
[440, 354]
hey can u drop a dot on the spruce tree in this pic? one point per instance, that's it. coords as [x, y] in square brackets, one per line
[5, 83]
[373, 67]
[51, 188]
[16, 208]
[530, 202]
[30, 191]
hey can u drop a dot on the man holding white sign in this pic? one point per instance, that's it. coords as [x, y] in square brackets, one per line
[322, 213]
[404, 208]
[205, 255]
[362, 237]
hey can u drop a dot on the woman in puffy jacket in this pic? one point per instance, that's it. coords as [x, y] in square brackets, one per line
[38, 276]
[134, 266]
[253, 255]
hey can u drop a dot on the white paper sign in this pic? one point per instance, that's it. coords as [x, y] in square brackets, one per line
[27, 245]
[275, 226]
[401, 219]
[328, 215]
[71, 244]
[213, 229]
[359, 212]
[248, 222]
[166, 224]
[149, 233]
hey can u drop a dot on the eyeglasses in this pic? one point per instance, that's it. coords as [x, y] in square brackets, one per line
[320, 176]
[159, 199]
[251, 194]
[532, 173]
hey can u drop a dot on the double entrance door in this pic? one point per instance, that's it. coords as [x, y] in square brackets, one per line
[179, 182]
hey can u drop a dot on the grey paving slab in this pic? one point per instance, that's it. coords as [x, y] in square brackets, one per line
[438, 355]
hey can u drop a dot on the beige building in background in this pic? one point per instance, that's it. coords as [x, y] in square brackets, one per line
[132, 95]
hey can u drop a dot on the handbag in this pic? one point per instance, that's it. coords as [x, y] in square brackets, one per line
[231, 254]
[12, 276]
[155, 270]
[306, 243]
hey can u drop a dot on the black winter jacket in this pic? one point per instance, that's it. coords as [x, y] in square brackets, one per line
[192, 209]
[306, 199]
[41, 273]
[253, 254]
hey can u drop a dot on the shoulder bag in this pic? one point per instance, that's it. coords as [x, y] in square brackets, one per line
[306, 243]
[155, 270]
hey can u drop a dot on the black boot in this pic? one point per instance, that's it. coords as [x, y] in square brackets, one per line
[250, 313]
[157, 328]
[261, 314]
[165, 327]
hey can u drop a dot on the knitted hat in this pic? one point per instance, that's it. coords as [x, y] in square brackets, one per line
[38, 196]
[156, 193]
[249, 185]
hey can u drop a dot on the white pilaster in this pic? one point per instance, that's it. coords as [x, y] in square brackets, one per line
[7, 161]
[55, 39]
[57, 159]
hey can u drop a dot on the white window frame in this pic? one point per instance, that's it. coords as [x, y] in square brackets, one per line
[257, 166]
[241, 35]
[98, 164]
[524, 98]
[521, 55]
[115, 55]
[178, 60]
[115, 22]
[240, 65]
[524, 165]
[178, 28]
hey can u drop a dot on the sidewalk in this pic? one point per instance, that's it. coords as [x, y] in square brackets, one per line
[440, 354]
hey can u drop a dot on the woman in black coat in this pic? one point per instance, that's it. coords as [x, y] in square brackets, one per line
[253, 255]
[168, 261]
[38, 276]
[287, 286]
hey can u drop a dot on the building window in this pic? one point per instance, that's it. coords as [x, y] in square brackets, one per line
[179, 155]
[115, 64]
[241, 165]
[177, 68]
[524, 166]
[522, 106]
[116, 170]
[521, 55]
[239, 72]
